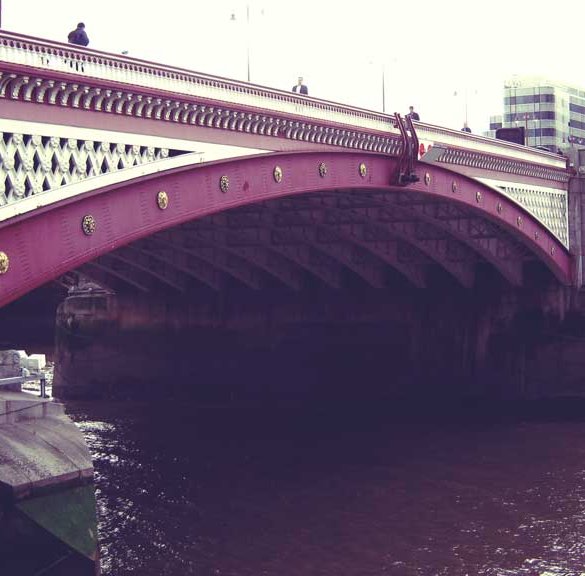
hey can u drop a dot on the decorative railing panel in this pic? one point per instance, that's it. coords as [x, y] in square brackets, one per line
[548, 205]
[31, 163]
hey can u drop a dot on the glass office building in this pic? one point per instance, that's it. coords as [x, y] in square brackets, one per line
[552, 114]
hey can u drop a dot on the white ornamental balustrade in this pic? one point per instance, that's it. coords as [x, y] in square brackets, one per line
[46, 55]
[34, 52]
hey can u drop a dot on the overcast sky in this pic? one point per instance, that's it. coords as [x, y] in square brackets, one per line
[432, 53]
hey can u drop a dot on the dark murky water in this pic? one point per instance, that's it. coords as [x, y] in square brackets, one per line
[350, 492]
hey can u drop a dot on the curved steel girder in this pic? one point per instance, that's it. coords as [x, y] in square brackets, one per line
[204, 238]
[105, 280]
[490, 205]
[490, 246]
[322, 267]
[199, 271]
[370, 270]
[67, 280]
[82, 275]
[135, 262]
[101, 274]
[365, 263]
[162, 272]
[366, 226]
[375, 231]
[209, 257]
[126, 210]
[362, 264]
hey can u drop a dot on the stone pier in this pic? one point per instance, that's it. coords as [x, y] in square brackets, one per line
[443, 340]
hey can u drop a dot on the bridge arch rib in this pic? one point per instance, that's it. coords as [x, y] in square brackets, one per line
[279, 218]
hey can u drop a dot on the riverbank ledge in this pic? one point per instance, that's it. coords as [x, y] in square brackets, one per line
[48, 518]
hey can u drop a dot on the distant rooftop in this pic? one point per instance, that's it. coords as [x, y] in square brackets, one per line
[542, 82]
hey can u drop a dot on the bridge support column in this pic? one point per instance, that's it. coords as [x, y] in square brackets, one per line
[576, 220]
[86, 324]
[532, 344]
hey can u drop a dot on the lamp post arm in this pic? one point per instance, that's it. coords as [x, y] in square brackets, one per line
[383, 89]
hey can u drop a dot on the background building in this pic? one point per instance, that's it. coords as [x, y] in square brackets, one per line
[552, 114]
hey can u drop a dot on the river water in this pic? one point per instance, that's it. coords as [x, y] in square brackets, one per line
[357, 490]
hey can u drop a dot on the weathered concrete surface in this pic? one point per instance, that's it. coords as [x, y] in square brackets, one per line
[47, 499]
[40, 448]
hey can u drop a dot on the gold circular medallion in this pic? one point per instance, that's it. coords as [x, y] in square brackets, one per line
[499, 208]
[162, 199]
[277, 174]
[519, 221]
[322, 169]
[4, 262]
[427, 178]
[552, 250]
[224, 183]
[478, 196]
[536, 235]
[454, 186]
[88, 224]
[363, 170]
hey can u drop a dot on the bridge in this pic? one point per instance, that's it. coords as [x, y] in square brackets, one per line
[161, 185]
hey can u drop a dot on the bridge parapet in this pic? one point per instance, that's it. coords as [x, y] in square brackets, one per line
[55, 56]
[284, 113]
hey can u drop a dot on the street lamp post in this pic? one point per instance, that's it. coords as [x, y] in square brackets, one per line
[233, 19]
[383, 88]
[457, 94]
[248, 39]
[375, 63]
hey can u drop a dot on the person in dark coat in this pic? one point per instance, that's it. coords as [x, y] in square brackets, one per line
[300, 87]
[78, 36]
[414, 115]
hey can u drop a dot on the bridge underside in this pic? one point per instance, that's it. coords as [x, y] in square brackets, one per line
[278, 222]
[337, 239]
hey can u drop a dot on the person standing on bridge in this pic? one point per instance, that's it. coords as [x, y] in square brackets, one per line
[300, 87]
[78, 36]
[413, 115]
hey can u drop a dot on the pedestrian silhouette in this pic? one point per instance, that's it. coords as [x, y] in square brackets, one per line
[466, 128]
[300, 87]
[413, 115]
[78, 36]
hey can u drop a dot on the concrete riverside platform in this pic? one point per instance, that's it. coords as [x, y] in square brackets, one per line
[40, 447]
[47, 502]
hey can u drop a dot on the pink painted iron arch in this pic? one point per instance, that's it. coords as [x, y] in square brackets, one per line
[285, 215]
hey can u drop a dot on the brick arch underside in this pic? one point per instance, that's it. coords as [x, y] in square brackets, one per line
[324, 220]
